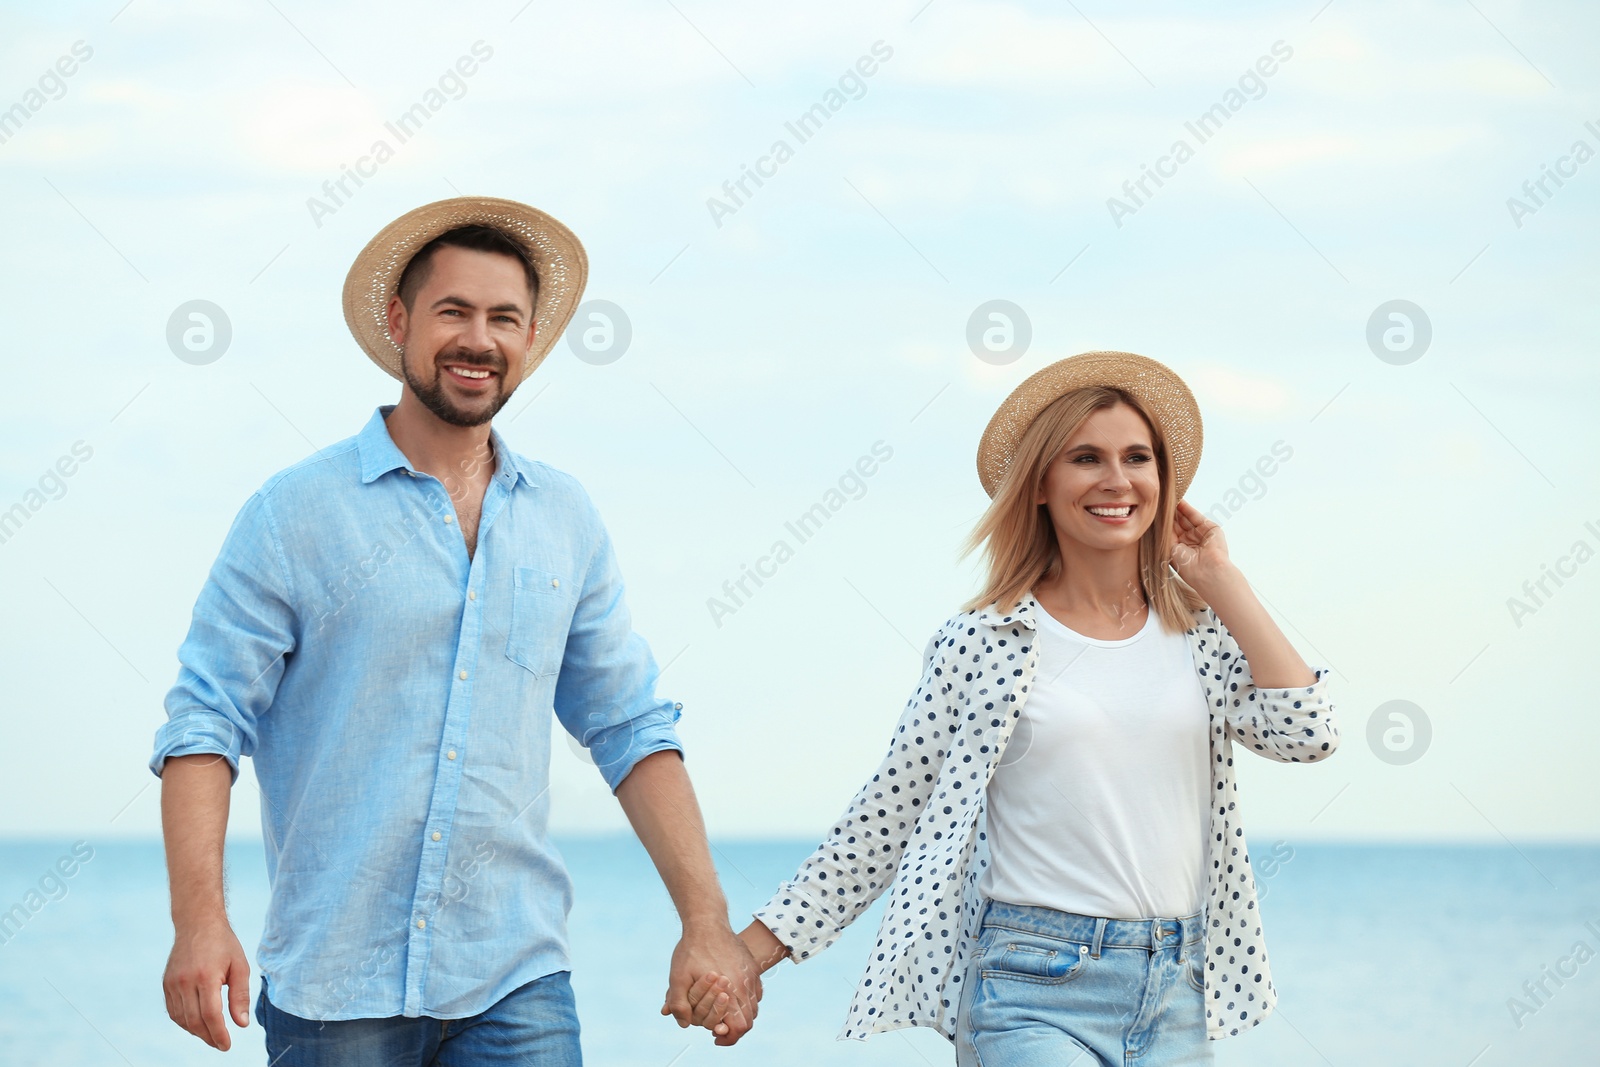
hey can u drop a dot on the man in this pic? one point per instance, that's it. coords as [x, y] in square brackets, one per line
[386, 631]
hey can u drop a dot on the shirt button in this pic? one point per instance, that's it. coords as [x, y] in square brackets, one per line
[422, 924]
[449, 518]
[472, 594]
[555, 583]
[677, 707]
[462, 676]
[436, 835]
[451, 754]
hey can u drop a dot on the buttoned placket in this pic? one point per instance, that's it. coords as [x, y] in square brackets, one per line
[453, 753]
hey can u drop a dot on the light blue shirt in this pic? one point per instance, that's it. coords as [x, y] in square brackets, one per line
[396, 697]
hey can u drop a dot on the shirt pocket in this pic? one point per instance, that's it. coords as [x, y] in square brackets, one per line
[541, 614]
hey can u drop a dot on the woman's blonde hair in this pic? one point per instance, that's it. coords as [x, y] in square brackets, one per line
[1019, 541]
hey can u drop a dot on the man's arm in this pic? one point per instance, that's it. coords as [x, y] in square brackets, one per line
[242, 632]
[660, 803]
[205, 953]
[605, 697]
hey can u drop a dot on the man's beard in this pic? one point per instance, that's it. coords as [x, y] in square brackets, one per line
[433, 396]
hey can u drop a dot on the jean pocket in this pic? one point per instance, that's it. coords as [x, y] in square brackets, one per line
[541, 613]
[1043, 961]
[1194, 966]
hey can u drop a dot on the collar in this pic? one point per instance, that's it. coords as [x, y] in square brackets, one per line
[991, 615]
[1024, 615]
[380, 455]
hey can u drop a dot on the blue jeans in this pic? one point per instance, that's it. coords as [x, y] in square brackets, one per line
[1052, 987]
[534, 1024]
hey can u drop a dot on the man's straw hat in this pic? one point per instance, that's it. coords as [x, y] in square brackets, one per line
[558, 260]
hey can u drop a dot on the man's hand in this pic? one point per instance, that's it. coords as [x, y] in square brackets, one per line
[712, 975]
[714, 983]
[205, 954]
[205, 957]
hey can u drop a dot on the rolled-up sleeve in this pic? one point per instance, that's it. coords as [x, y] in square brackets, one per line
[240, 635]
[1293, 724]
[605, 694]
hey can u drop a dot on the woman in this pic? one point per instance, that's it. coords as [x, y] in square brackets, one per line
[1056, 821]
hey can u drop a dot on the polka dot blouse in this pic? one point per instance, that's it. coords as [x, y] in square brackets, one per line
[913, 829]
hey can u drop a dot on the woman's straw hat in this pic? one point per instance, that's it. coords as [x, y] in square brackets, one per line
[1160, 390]
[558, 260]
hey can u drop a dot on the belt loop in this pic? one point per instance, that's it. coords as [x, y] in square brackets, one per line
[1099, 936]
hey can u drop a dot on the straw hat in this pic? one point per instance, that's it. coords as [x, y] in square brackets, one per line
[1160, 390]
[558, 260]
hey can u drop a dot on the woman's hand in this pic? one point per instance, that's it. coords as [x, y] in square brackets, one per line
[1199, 551]
[710, 1001]
[1200, 556]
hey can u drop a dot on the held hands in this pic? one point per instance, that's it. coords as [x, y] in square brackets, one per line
[714, 983]
[205, 957]
[1199, 550]
[711, 995]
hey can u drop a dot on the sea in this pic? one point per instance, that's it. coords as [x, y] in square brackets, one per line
[1383, 953]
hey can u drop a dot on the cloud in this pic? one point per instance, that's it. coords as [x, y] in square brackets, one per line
[307, 127]
[1238, 393]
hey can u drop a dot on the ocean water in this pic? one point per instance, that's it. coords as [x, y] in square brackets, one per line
[1382, 954]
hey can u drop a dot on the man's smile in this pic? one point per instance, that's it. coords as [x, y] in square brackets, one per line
[469, 377]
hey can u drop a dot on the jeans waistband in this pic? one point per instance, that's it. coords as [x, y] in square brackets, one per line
[1096, 931]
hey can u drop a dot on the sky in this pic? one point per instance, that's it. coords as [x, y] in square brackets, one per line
[1355, 255]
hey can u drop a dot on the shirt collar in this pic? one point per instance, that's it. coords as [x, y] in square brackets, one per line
[992, 616]
[380, 455]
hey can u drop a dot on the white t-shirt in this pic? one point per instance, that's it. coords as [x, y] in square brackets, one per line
[1099, 806]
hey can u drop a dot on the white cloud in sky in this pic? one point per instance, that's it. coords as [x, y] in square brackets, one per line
[1239, 394]
[305, 127]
